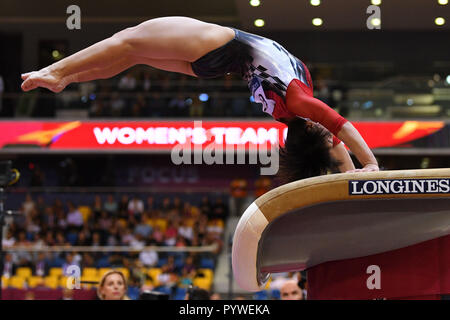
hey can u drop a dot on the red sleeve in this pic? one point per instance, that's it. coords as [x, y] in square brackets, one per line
[336, 141]
[301, 102]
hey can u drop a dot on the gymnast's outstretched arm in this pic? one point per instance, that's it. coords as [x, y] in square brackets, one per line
[340, 153]
[306, 106]
[359, 147]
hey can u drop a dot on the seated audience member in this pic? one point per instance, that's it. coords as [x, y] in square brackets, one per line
[112, 286]
[291, 291]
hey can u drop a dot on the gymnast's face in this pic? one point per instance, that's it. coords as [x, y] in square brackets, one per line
[113, 287]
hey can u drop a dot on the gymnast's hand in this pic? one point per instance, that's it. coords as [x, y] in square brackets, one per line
[45, 78]
[367, 168]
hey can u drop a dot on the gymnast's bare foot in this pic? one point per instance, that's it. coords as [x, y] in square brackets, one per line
[45, 78]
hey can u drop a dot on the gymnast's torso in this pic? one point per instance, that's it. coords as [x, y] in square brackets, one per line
[265, 64]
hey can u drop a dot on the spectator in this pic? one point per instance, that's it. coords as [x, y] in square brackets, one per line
[196, 107]
[189, 267]
[38, 241]
[127, 82]
[219, 210]
[123, 206]
[49, 239]
[117, 104]
[99, 108]
[166, 207]
[170, 236]
[216, 296]
[214, 238]
[205, 206]
[148, 257]
[168, 276]
[200, 228]
[87, 261]
[9, 266]
[60, 240]
[291, 291]
[112, 286]
[139, 106]
[157, 106]
[138, 242]
[28, 205]
[96, 240]
[68, 263]
[302, 283]
[262, 185]
[29, 295]
[9, 241]
[41, 266]
[150, 204]
[61, 220]
[158, 236]
[177, 106]
[146, 82]
[110, 205]
[22, 239]
[74, 218]
[97, 207]
[177, 204]
[143, 229]
[58, 205]
[32, 223]
[180, 242]
[113, 238]
[238, 189]
[82, 239]
[195, 293]
[127, 237]
[105, 222]
[278, 279]
[186, 231]
[67, 294]
[40, 206]
[136, 207]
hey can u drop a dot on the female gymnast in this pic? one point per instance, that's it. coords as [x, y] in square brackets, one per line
[277, 80]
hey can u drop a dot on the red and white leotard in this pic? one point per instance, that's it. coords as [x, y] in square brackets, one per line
[277, 79]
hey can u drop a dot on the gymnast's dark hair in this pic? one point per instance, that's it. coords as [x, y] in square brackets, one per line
[306, 152]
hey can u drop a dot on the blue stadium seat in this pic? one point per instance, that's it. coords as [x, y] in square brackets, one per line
[133, 293]
[179, 263]
[72, 238]
[180, 294]
[261, 295]
[103, 262]
[275, 294]
[207, 263]
[161, 262]
[164, 289]
[56, 263]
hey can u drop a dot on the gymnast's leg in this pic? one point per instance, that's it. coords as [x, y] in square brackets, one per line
[168, 43]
